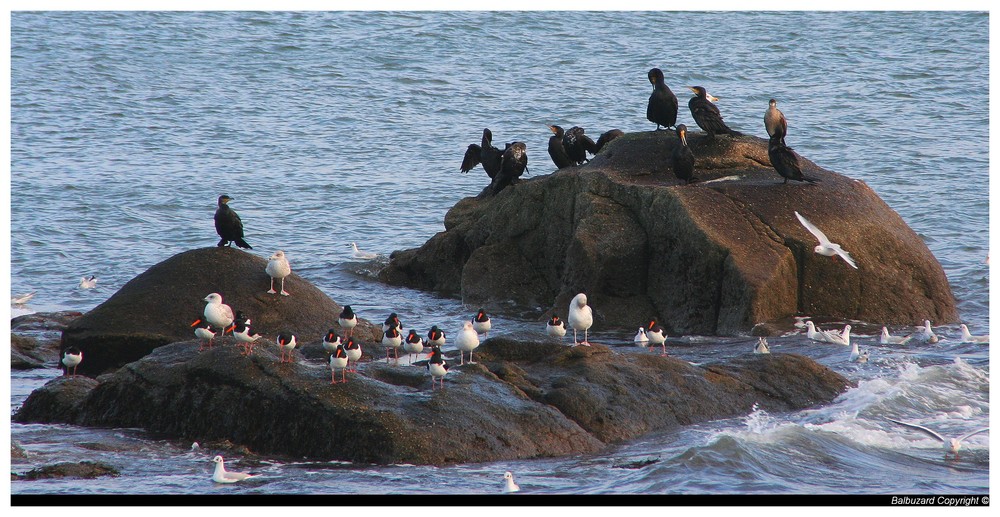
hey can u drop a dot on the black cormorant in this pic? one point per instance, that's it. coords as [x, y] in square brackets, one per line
[228, 224]
[606, 137]
[707, 114]
[578, 144]
[513, 164]
[556, 149]
[662, 107]
[682, 156]
[484, 153]
[774, 121]
[785, 161]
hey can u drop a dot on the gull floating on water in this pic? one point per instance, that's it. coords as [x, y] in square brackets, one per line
[857, 356]
[761, 346]
[951, 445]
[88, 282]
[361, 255]
[640, 337]
[887, 339]
[825, 247]
[221, 475]
[21, 299]
[967, 337]
[824, 336]
[581, 317]
[925, 333]
[278, 267]
[510, 486]
[839, 338]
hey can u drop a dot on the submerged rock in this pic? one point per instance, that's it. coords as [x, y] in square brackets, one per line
[521, 400]
[158, 306]
[713, 257]
[82, 470]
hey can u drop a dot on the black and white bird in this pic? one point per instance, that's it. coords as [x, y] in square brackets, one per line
[706, 114]
[347, 320]
[392, 339]
[245, 336]
[392, 321]
[555, 327]
[286, 344]
[204, 331]
[437, 366]
[581, 317]
[71, 358]
[228, 224]
[656, 336]
[481, 322]
[331, 341]
[278, 267]
[435, 337]
[413, 344]
[338, 361]
[353, 349]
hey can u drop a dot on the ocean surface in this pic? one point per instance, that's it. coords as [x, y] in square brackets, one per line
[328, 128]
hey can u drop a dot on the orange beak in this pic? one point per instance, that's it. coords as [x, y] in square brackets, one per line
[197, 321]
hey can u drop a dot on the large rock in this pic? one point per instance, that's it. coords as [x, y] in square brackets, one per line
[709, 257]
[158, 306]
[521, 400]
[34, 338]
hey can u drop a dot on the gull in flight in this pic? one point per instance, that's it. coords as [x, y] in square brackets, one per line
[951, 445]
[21, 299]
[825, 247]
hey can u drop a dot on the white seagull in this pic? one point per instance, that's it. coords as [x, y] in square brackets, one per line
[467, 341]
[88, 282]
[857, 356]
[72, 357]
[640, 337]
[951, 445]
[967, 337]
[278, 267]
[815, 334]
[361, 255]
[761, 346]
[581, 317]
[839, 338]
[218, 314]
[221, 475]
[510, 486]
[825, 247]
[21, 299]
[887, 339]
[925, 333]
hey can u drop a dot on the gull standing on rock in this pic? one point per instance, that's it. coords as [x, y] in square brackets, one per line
[347, 320]
[555, 327]
[218, 314]
[481, 322]
[967, 337]
[71, 358]
[467, 341]
[581, 317]
[925, 333]
[825, 247]
[228, 224]
[221, 475]
[886, 339]
[509, 485]
[278, 267]
[951, 445]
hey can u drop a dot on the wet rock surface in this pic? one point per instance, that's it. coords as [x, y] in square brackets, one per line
[520, 400]
[35, 338]
[713, 257]
[82, 470]
[157, 307]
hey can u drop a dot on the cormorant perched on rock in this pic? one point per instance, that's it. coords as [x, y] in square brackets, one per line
[513, 164]
[485, 153]
[662, 106]
[682, 156]
[228, 224]
[556, 149]
[577, 145]
[774, 121]
[785, 161]
[606, 137]
[707, 114]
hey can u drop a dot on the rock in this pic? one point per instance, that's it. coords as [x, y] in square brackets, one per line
[43, 321]
[18, 454]
[158, 306]
[713, 257]
[58, 401]
[35, 338]
[521, 400]
[82, 470]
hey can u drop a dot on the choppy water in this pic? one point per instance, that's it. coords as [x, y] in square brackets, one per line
[328, 128]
